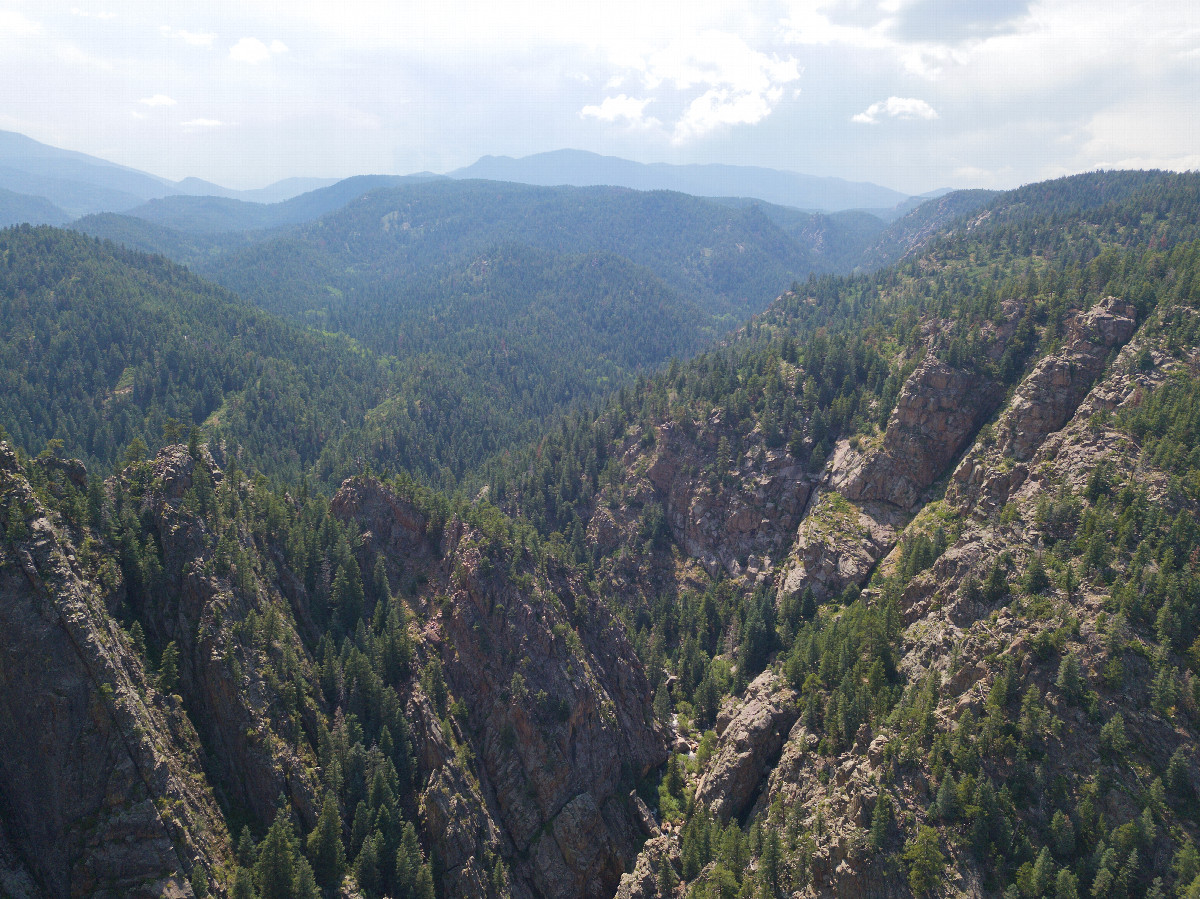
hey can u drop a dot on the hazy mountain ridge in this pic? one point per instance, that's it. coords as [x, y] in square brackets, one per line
[579, 168]
[17, 208]
[81, 184]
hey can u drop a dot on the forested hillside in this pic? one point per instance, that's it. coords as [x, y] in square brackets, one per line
[104, 346]
[892, 592]
[103, 349]
[786, 523]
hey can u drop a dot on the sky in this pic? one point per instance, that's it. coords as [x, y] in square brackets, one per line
[912, 94]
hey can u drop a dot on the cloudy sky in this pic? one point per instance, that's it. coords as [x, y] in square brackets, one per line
[914, 94]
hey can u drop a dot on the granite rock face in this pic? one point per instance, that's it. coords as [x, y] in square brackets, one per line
[99, 790]
[870, 490]
[646, 880]
[735, 527]
[230, 703]
[937, 413]
[749, 742]
[1044, 402]
[557, 709]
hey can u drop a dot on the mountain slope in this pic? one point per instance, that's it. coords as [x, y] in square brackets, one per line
[215, 214]
[906, 711]
[103, 347]
[582, 169]
[17, 208]
[894, 592]
[467, 716]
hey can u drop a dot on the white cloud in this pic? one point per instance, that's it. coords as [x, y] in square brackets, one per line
[157, 100]
[252, 50]
[14, 24]
[194, 38]
[720, 78]
[202, 124]
[720, 107]
[76, 56]
[895, 108]
[621, 108]
[83, 13]
[717, 59]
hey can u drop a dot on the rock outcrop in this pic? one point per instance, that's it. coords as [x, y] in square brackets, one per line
[839, 544]
[735, 529]
[750, 738]
[1043, 403]
[223, 678]
[100, 786]
[658, 865]
[558, 711]
[870, 490]
[937, 413]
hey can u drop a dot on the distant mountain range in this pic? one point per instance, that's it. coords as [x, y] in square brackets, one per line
[41, 184]
[71, 184]
[582, 169]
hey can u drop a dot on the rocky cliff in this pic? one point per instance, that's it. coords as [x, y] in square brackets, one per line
[103, 787]
[523, 768]
[1025, 698]
[557, 711]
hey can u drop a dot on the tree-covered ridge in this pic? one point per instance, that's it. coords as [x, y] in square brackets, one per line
[826, 361]
[828, 358]
[725, 258]
[104, 347]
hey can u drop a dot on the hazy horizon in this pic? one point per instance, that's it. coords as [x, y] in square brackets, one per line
[914, 95]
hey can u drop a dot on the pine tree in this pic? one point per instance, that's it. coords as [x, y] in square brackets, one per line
[947, 798]
[424, 884]
[168, 668]
[361, 828]
[408, 864]
[1043, 872]
[366, 866]
[246, 852]
[199, 882]
[325, 849]
[137, 639]
[1113, 741]
[1176, 780]
[769, 864]
[674, 780]
[1062, 832]
[1070, 678]
[243, 885]
[1066, 885]
[275, 869]
[346, 597]
[881, 821]
[925, 860]
[808, 605]
[304, 883]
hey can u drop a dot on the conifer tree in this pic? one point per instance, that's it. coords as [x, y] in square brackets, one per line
[275, 869]
[408, 864]
[881, 821]
[925, 860]
[168, 668]
[243, 885]
[325, 849]
[424, 888]
[366, 866]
